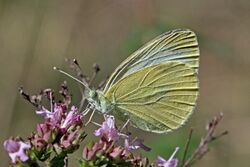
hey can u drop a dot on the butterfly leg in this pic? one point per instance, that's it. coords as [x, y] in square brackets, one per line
[126, 123]
[95, 123]
[90, 118]
[86, 111]
[88, 108]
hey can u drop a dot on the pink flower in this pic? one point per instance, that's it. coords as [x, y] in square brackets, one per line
[71, 118]
[60, 117]
[135, 144]
[61, 128]
[108, 130]
[170, 162]
[52, 117]
[16, 150]
[44, 112]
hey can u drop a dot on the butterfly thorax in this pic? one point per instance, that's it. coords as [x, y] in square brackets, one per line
[98, 101]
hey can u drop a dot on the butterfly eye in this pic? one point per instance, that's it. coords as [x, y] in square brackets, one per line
[92, 94]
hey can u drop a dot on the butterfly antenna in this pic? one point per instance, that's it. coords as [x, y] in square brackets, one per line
[74, 78]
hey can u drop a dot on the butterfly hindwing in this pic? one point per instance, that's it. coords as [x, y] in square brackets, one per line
[158, 98]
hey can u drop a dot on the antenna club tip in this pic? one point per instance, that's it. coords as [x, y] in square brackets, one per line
[55, 68]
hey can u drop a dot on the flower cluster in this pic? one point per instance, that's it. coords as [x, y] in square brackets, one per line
[61, 132]
[108, 152]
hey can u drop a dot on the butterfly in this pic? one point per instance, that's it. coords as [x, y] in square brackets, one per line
[156, 87]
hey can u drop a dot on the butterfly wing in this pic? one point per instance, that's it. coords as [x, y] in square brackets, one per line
[159, 98]
[177, 45]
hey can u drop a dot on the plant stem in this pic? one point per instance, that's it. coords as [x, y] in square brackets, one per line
[187, 146]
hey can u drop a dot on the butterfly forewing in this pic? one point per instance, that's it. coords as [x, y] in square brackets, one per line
[158, 98]
[178, 45]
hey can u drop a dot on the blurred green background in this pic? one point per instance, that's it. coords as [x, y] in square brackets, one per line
[36, 35]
